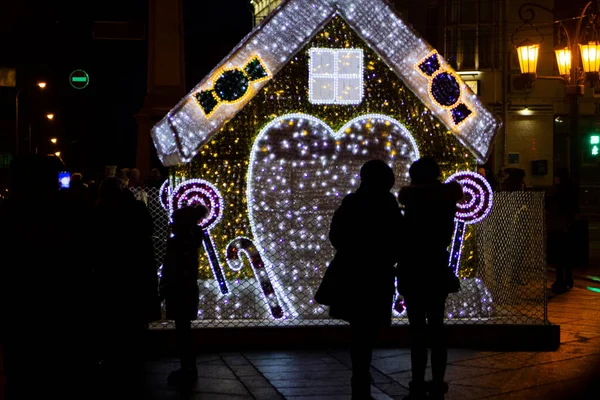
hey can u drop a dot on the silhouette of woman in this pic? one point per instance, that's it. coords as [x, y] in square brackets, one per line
[430, 208]
[365, 233]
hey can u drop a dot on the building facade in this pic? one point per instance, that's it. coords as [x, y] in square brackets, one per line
[476, 37]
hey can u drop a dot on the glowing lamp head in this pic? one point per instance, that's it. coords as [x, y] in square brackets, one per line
[563, 59]
[528, 57]
[50, 116]
[42, 85]
[53, 140]
[57, 154]
[590, 56]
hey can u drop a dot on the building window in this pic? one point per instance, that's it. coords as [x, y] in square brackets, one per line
[472, 38]
[336, 76]
[262, 8]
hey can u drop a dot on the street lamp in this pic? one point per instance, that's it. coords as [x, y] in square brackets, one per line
[578, 61]
[50, 116]
[53, 140]
[42, 85]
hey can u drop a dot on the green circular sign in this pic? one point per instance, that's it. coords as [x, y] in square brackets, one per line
[79, 79]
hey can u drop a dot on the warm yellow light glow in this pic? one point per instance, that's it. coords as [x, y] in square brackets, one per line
[528, 57]
[563, 59]
[526, 111]
[42, 85]
[590, 56]
[50, 116]
[53, 140]
[57, 154]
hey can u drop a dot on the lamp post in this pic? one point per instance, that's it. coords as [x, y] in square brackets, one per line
[578, 61]
[42, 85]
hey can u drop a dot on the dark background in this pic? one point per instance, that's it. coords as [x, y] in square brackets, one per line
[96, 126]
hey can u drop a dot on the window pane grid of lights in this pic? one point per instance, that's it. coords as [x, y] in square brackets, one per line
[336, 76]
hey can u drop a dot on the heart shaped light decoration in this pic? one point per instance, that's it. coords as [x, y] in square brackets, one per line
[300, 170]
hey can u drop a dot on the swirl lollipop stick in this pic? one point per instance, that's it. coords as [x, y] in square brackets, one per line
[475, 206]
[199, 191]
[244, 246]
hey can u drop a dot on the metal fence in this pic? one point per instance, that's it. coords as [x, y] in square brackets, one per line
[503, 270]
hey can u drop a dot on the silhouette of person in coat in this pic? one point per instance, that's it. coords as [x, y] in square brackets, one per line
[179, 286]
[365, 232]
[430, 208]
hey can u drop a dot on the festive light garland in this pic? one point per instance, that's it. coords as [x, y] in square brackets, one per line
[279, 39]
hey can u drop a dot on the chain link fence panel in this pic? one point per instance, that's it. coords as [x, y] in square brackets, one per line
[506, 285]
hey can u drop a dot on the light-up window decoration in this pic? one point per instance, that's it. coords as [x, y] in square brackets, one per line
[300, 170]
[232, 85]
[336, 76]
[444, 88]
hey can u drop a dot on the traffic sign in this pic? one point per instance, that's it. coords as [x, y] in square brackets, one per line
[79, 79]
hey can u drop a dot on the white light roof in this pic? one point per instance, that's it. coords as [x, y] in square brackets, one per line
[186, 127]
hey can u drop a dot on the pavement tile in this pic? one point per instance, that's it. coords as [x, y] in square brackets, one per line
[516, 360]
[255, 382]
[308, 374]
[298, 362]
[220, 386]
[523, 378]
[300, 367]
[266, 394]
[329, 392]
[453, 373]
[383, 353]
[567, 389]
[235, 359]
[244, 370]
[392, 389]
[390, 365]
[307, 383]
[462, 392]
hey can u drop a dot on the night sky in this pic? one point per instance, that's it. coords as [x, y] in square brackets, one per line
[96, 126]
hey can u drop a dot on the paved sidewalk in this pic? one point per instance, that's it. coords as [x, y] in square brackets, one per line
[568, 373]
[572, 372]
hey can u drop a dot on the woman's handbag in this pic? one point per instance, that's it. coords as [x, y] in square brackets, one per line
[331, 284]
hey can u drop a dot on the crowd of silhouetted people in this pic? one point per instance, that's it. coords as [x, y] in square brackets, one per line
[78, 282]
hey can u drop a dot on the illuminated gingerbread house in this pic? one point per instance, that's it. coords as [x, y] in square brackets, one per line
[274, 137]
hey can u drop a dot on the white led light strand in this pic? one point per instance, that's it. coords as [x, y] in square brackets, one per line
[299, 171]
[320, 74]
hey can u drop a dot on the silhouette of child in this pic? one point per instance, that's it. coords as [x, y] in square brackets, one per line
[179, 286]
